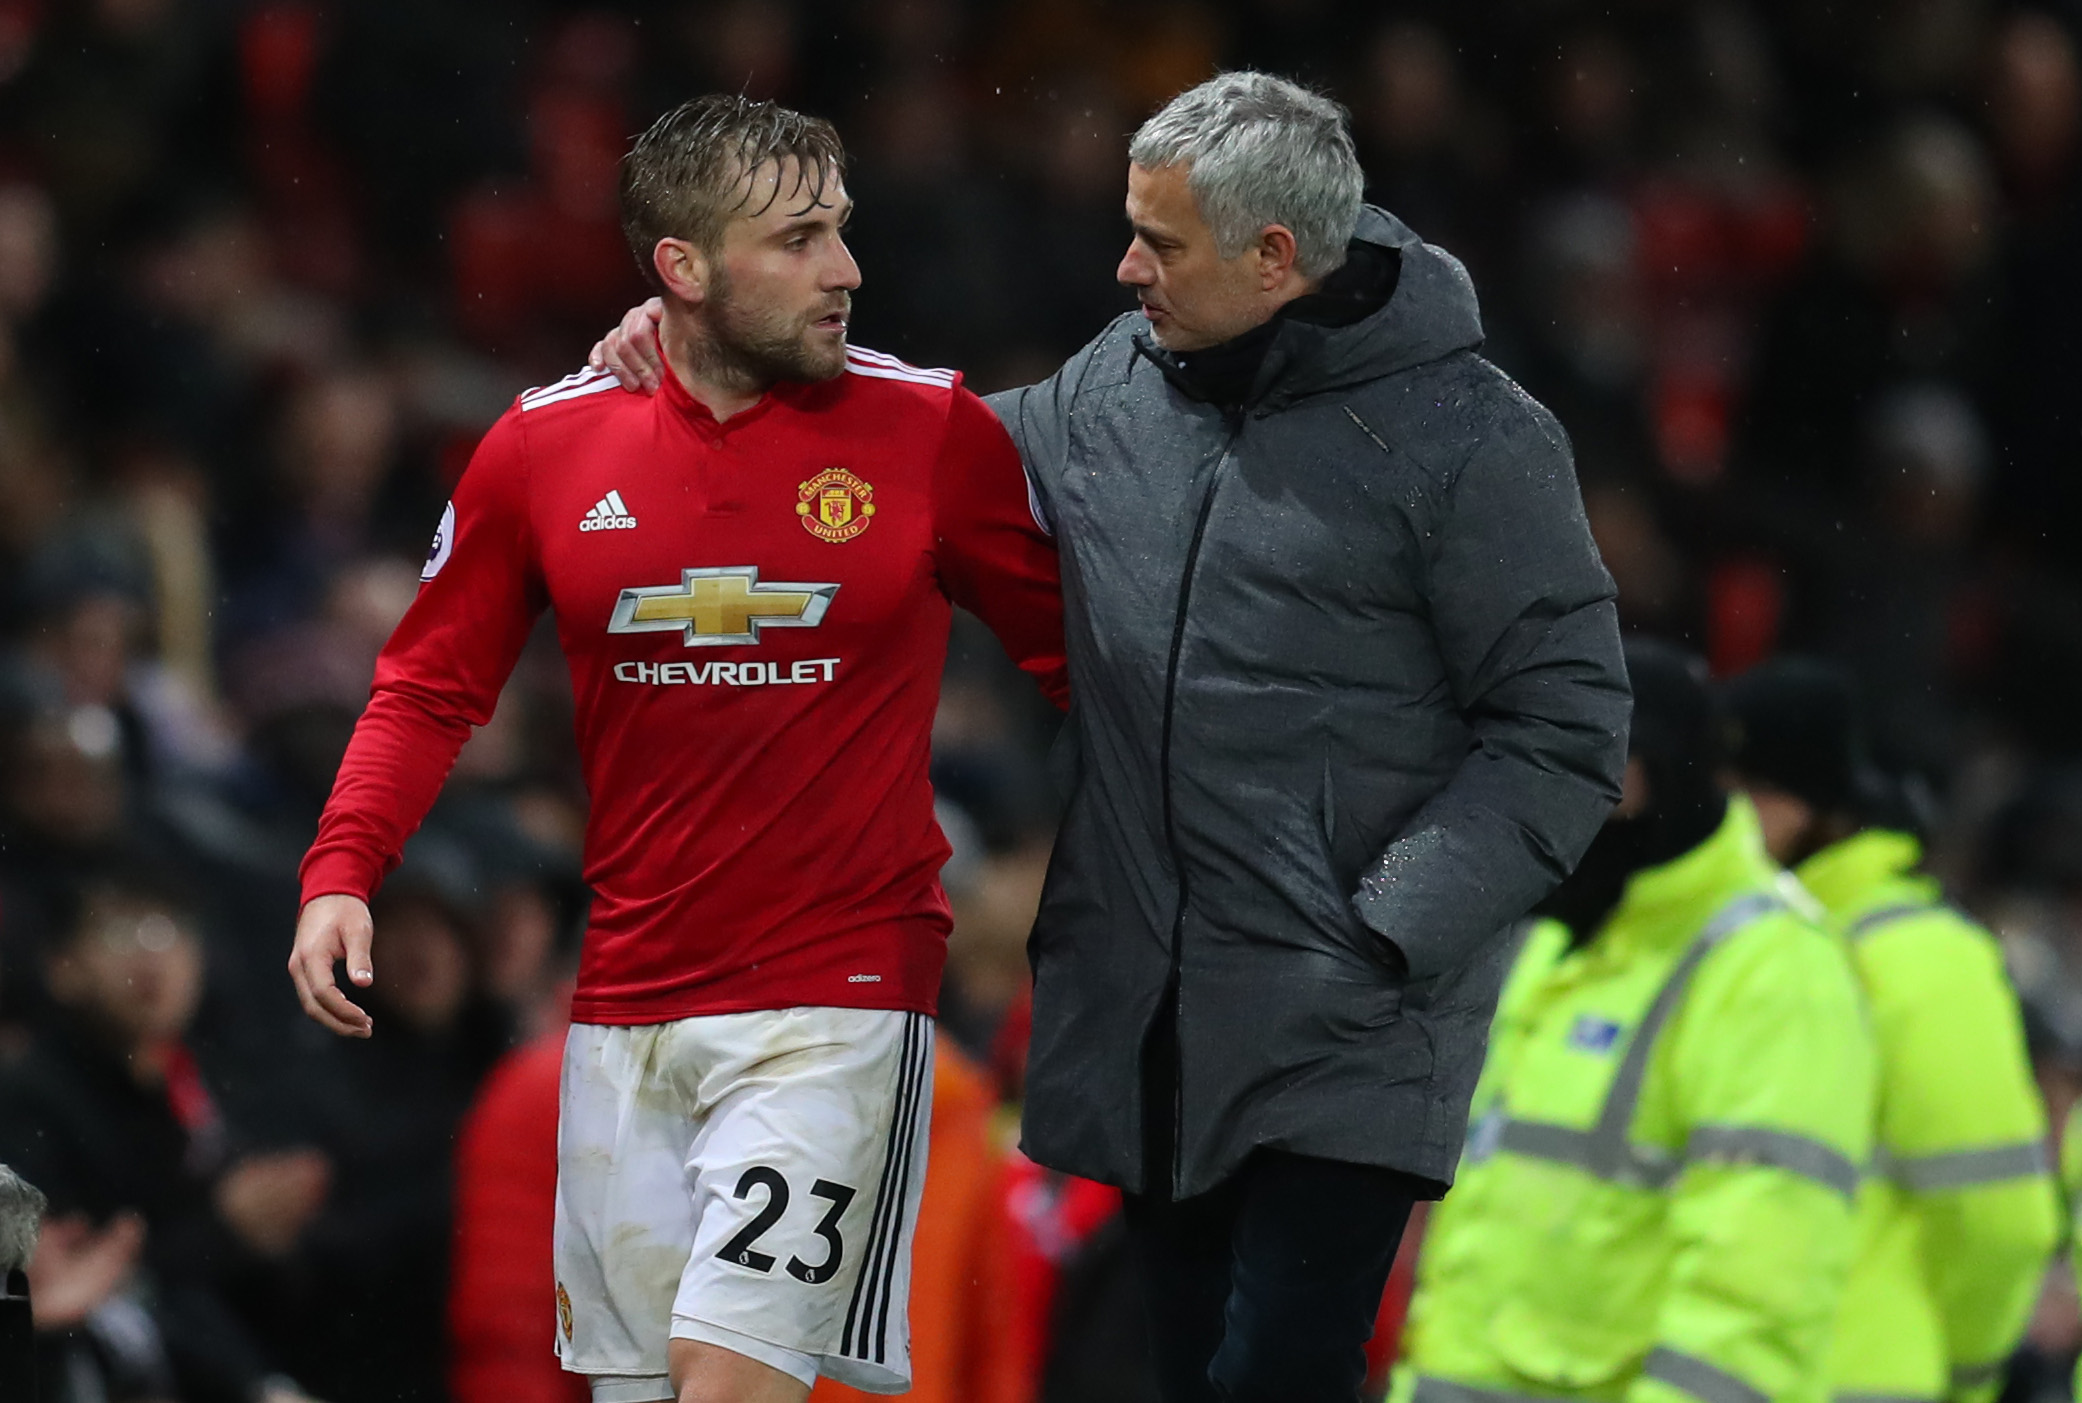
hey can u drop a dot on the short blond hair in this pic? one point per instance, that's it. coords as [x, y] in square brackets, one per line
[687, 175]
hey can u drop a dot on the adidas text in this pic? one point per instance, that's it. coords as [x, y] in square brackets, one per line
[610, 513]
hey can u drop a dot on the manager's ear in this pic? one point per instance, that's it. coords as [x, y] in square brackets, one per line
[683, 270]
[1275, 254]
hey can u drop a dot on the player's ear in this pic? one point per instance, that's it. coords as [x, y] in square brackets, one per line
[682, 268]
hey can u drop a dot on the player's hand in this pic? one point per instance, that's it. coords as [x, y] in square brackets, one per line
[78, 1266]
[331, 929]
[269, 1199]
[631, 350]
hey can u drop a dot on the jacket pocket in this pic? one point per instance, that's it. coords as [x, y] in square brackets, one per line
[1344, 860]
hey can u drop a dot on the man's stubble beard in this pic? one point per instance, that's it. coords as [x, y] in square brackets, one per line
[751, 348]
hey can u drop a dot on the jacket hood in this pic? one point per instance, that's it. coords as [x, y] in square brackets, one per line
[1433, 313]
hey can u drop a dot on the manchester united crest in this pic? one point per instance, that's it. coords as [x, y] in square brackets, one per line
[564, 1311]
[835, 505]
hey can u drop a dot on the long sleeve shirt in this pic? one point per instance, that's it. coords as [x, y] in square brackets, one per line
[755, 614]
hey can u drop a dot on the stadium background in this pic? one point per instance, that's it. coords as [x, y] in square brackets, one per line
[1802, 281]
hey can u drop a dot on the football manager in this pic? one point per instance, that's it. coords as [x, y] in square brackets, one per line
[1347, 700]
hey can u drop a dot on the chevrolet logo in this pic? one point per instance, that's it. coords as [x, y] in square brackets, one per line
[720, 605]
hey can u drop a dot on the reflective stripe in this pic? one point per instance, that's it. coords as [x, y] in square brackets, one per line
[1635, 1164]
[1886, 916]
[1604, 1150]
[1963, 1169]
[1701, 1380]
[1797, 1154]
[1633, 1070]
[1881, 1398]
[1431, 1390]
[1975, 1375]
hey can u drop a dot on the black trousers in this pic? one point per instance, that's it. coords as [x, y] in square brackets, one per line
[1264, 1290]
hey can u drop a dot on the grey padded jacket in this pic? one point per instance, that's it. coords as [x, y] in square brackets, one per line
[1347, 700]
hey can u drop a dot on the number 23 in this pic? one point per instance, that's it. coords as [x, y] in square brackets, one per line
[741, 1248]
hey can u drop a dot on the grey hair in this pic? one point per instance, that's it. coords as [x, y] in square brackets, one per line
[1260, 150]
[21, 1219]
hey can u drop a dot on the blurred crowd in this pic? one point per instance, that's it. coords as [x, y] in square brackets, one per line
[1803, 282]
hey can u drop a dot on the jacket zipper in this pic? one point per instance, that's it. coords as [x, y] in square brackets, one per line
[1178, 924]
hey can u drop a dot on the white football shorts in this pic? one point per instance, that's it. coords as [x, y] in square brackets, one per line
[750, 1180]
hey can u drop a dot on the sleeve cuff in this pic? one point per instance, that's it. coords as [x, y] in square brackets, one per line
[337, 874]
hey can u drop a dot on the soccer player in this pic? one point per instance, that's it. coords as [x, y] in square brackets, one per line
[751, 574]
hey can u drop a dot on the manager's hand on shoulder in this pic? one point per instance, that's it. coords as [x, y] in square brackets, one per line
[332, 929]
[631, 350]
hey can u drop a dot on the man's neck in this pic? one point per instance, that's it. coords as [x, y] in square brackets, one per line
[719, 387]
[1294, 288]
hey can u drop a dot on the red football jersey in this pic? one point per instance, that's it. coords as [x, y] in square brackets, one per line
[755, 616]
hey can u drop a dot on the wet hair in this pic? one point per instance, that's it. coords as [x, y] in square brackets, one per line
[687, 175]
[1260, 150]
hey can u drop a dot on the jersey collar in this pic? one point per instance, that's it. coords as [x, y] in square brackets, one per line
[675, 394]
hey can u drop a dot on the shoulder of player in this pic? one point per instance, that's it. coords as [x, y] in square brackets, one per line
[585, 393]
[553, 418]
[875, 376]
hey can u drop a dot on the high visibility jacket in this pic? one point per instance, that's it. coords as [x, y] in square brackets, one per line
[1960, 1216]
[2071, 1181]
[1655, 1201]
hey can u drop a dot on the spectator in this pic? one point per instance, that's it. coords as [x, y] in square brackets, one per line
[370, 1327]
[502, 1299]
[109, 1114]
[1901, 290]
[21, 1215]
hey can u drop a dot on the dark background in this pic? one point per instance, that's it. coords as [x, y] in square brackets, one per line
[1802, 280]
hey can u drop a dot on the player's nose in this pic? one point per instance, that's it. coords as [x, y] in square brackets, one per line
[844, 272]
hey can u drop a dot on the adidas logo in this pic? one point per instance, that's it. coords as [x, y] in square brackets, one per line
[610, 513]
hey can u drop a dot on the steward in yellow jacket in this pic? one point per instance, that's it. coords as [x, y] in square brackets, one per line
[2071, 1180]
[1960, 1217]
[1655, 1201]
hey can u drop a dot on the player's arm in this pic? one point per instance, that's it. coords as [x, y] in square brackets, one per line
[1772, 1068]
[1963, 1130]
[994, 555]
[437, 678]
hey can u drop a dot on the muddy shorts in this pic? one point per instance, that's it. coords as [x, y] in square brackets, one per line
[749, 1180]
